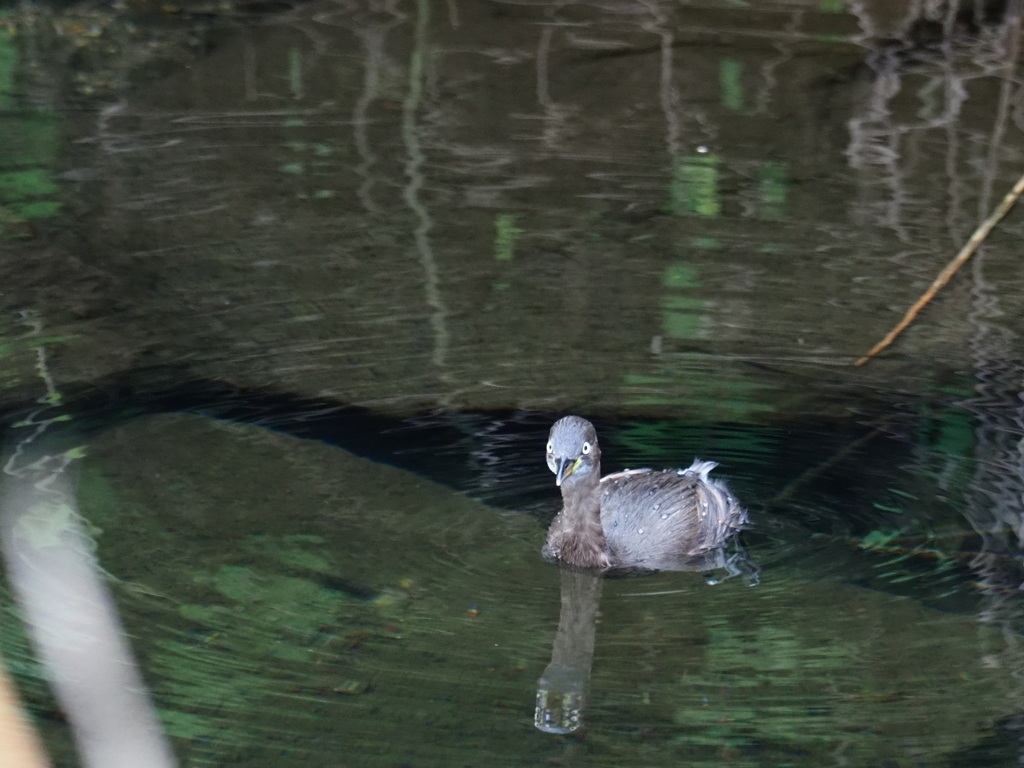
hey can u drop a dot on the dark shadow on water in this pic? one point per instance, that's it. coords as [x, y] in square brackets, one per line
[497, 456]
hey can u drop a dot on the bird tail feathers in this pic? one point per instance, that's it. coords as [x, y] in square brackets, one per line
[701, 468]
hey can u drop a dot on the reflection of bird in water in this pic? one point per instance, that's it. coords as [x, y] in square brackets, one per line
[646, 519]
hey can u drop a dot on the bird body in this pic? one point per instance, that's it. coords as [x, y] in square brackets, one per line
[645, 519]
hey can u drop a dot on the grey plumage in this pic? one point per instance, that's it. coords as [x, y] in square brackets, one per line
[647, 519]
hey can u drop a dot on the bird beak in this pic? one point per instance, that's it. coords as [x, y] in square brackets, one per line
[565, 467]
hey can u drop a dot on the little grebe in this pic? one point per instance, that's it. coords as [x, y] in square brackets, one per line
[643, 518]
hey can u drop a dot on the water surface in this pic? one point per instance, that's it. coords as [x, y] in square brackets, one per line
[309, 284]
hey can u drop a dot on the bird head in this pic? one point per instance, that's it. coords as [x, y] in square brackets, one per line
[572, 450]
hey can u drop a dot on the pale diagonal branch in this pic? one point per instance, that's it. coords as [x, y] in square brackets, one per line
[944, 277]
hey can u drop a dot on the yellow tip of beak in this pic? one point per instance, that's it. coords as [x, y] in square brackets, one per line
[566, 468]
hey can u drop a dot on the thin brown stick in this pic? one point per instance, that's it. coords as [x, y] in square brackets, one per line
[946, 274]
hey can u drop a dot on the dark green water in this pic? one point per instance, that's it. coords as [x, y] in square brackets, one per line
[313, 281]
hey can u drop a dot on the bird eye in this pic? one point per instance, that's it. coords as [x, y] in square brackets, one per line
[586, 448]
[551, 446]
